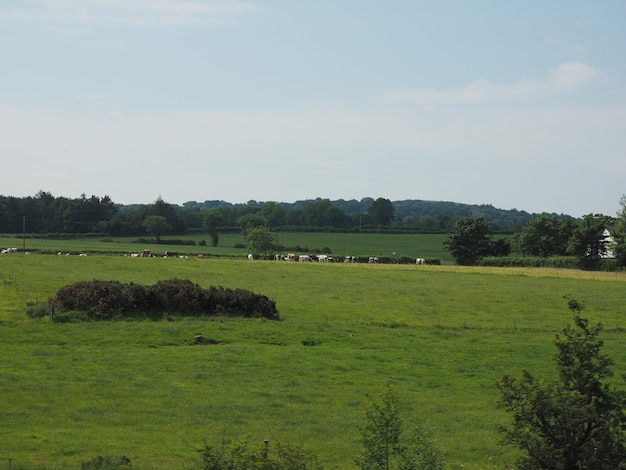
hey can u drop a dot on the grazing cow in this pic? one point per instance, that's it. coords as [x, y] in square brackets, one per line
[200, 256]
[322, 258]
[146, 254]
[420, 261]
[304, 258]
[171, 254]
[349, 259]
[373, 259]
[250, 257]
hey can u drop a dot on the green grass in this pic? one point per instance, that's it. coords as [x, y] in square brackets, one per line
[341, 244]
[441, 334]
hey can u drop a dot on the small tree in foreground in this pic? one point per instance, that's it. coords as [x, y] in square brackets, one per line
[240, 455]
[576, 422]
[385, 446]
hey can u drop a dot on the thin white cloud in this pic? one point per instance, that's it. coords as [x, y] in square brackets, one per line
[570, 46]
[125, 11]
[567, 78]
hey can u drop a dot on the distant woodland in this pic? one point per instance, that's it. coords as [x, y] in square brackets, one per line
[45, 213]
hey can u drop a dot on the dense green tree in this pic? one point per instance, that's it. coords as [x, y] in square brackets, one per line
[587, 241]
[619, 232]
[387, 447]
[293, 218]
[381, 212]
[273, 214]
[164, 209]
[470, 240]
[249, 221]
[261, 241]
[157, 225]
[322, 213]
[211, 221]
[544, 236]
[499, 247]
[574, 422]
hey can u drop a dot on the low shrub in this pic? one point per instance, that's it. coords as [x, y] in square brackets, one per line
[240, 454]
[107, 463]
[110, 300]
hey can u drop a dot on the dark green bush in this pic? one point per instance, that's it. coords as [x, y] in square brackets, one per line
[108, 463]
[108, 300]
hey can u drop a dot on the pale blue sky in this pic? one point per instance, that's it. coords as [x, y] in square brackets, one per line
[519, 104]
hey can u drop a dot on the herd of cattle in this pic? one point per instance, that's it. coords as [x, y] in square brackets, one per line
[280, 257]
[326, 258]
[287, 257]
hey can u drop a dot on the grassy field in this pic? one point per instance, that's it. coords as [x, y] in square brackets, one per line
[442, 335]
[341, 244]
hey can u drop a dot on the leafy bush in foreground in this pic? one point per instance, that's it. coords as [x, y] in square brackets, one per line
[108, 463]
[577, 420]
[107, 300]
[239, 454]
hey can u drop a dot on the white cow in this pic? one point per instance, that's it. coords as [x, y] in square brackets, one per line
[420, 261]
[373, 259]
[304, 258]
[250, 257]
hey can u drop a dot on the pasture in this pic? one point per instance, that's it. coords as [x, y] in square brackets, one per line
[442, 335]
[232, 245]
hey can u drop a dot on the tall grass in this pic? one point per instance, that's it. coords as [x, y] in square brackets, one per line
[442, 335]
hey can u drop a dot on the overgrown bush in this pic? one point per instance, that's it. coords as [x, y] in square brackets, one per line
[108, 463]
[239, 454]
[108, 300]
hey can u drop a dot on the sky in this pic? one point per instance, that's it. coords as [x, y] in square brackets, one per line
[517, 104]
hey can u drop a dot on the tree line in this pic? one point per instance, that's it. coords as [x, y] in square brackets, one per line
[45, 213]
[590, 240]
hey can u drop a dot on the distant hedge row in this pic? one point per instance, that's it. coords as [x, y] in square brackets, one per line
[108, 300]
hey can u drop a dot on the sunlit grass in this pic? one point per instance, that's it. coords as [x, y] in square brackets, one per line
[442, 335]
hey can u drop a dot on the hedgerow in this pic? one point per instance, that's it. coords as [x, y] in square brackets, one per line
[109, 300]
[557, 262]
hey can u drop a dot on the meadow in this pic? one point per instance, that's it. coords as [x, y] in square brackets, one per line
[233, 245]
[441, 335]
